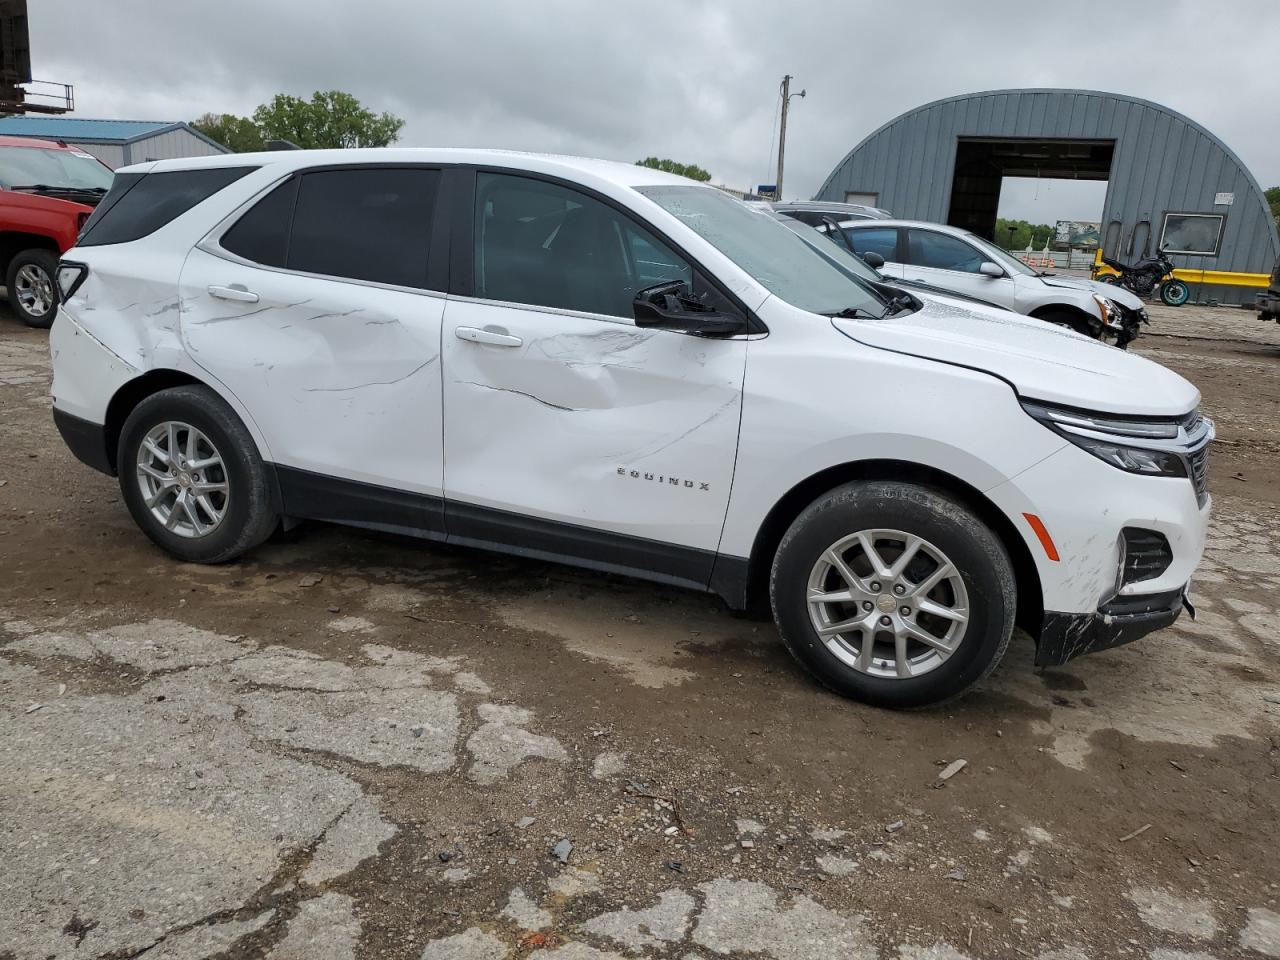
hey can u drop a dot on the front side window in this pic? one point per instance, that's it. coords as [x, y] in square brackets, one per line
[1001, 257]
[881, 240]
[940, 251]
[364, 224]
[546, 245]
[776, 258]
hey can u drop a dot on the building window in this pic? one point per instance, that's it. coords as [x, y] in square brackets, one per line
[865, 199]
[1196, 234]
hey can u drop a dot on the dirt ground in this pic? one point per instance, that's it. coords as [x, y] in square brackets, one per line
[355, 746]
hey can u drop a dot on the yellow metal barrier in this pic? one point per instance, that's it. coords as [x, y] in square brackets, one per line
[1219, 278]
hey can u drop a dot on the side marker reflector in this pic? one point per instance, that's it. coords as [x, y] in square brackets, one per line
[1046, 541]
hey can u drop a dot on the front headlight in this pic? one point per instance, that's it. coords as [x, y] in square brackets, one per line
[1146, 446]
[1105, 307]
[1133, 459]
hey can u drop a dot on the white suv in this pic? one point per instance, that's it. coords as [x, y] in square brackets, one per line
[958, 260]
[609, 366]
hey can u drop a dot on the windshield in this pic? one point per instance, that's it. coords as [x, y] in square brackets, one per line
[31, 166]
[778, 259]
[1002, 257]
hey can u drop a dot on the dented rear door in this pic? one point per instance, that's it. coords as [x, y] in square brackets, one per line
[330, 340]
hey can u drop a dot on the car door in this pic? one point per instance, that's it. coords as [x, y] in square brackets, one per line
[570, 432]
[313, 309]
[884, 241]
[952, 263]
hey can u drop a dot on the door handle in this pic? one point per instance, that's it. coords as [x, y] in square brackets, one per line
[492, 337]
[235, 292]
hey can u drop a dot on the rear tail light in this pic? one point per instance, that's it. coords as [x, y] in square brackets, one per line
[70, 276]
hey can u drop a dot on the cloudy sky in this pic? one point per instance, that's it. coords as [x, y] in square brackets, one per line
[695, 80]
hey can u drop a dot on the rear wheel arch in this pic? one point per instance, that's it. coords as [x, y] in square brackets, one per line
[133, 393]
[1030, 602]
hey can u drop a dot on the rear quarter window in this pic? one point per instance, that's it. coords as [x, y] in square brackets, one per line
[262, 234]
[139, 205]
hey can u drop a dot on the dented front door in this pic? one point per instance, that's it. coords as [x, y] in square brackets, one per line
[590, 421]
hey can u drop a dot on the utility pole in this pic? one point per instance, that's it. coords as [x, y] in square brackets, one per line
[782, 134]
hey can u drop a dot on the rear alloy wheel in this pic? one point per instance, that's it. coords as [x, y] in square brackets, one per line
[33, 294]
[192, 476]
[183, 479]
[893, 593]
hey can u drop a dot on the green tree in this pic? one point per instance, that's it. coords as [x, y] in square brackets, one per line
[1273, 198]
[690, 170]
[237, 134]
[1016, 234]
[329, 119]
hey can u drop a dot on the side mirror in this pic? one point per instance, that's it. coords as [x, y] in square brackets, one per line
[992, 270]
[670, 306]
[872, 259]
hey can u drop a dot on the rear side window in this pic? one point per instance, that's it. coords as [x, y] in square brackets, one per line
[147, 203]
[366, 224]
[262, 234]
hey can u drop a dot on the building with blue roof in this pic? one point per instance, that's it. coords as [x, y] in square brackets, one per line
[116, 143]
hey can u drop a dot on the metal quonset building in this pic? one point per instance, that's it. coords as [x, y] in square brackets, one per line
[117, 142]
[1170, 181]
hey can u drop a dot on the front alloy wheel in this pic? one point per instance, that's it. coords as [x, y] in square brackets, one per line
[888, 603]
[1174, 293]
[893, 593]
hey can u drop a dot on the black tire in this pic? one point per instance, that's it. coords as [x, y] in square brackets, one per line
[45, 264]
[1072, 320]
[249, 516]
[973, 549]
[1174, 293]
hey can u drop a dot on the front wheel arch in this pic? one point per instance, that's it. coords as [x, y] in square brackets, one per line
[1063, 314]
[754, 590]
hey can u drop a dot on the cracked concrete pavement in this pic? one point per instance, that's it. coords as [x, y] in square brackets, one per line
[349, 746]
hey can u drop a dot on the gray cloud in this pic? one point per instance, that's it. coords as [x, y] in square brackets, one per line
[692, 79]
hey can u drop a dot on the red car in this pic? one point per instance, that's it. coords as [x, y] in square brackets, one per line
[47, 192]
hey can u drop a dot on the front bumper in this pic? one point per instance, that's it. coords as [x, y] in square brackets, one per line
[1065, 636]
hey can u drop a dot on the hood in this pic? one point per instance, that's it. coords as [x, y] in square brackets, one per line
[69, 203]
[1109, 290]
[1041, 361]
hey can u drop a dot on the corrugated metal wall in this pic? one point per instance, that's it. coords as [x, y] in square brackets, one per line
[109, 153]
[170, 145]
[1163, 162]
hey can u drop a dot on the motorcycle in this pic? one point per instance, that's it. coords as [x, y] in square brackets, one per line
[1146, 276]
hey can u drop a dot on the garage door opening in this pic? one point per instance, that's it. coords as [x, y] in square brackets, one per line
[982, 164]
